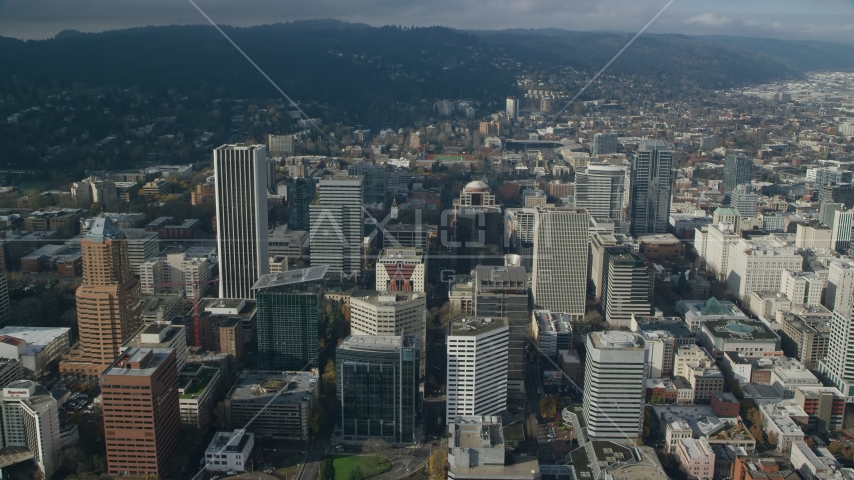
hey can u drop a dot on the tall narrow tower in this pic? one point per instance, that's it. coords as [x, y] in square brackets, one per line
[241, 218]
[651, 188]
[337, 226]
[108, 301]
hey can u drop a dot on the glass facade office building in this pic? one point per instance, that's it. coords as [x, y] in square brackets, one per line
[287, 321]
[377, 380]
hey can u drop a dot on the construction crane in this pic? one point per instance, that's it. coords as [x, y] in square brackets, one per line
[197, 299]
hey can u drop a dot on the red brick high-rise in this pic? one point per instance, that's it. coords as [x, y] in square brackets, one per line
[142, 417]
[108, 301]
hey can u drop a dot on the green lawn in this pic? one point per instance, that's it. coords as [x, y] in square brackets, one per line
[344, 464]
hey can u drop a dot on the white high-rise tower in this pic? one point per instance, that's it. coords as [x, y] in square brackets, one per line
[615, 385]
[559, 280]
[241, 218]
[477, 367]
[337, 225]
[838, 366]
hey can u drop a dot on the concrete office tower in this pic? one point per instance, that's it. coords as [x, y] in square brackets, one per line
[337, 226]
[840, 287]
[512, 108]
[241, 217]
[604, 143]
[614, 385]
[288, 312]
[601, 190]
[477, 367]
[519, 233]
[401, 269]
[377, 382]
[108, 301]
[745, 199]
[840, 231]
[141, 436]
[503, 292]
[826, 212]
[736, 171]
[374, 181]
[280, 144]
[651, 188]
[300, 196]
[176, 273]
[626, 287]
[390, 313]
[560, 260]
[31, 421]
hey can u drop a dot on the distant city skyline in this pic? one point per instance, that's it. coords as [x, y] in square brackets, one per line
[828, 20]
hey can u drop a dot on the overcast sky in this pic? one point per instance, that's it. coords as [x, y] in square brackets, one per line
[831, 20]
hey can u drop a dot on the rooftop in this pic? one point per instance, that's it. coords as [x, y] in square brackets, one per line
[739, 329]
[617, 340]
[473, 326]
[37, 338]
[311, 274]
[229, 442]
[138, 362]
[280, 388]
[376, 298]
[199, 383]
[553, 323]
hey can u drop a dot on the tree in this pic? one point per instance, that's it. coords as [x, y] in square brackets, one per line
[315, 417]
[329, 377]
[772, 439]
[548, 407]
[327, 470]
[357, 474]
[377, 447]
[436, 465]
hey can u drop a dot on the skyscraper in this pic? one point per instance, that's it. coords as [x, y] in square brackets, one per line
[108, 301]
[840, 232]
[614, 385]
[142, 435]
[241, 217]
[838, 365]
[559, 273]
[288, 311]
[744, 199]
[300, 195]
[503, 292]
[651, 188]
[377, 382]
[601, 190]
[512, 109]
[337, 226]
[374, 181]
[736, 171]
[477, 367]
[604, 143]
[626, 287]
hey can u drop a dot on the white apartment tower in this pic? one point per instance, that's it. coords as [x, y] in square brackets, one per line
[31, 420]
[390, 314]
[838, 366]
[176, 272]
[337, 226]
[802, 287]
[477, 367]
[615, 385]
[626, 287]
[512, 108]
[745, 199]
[840, 232]
[559, 275]
[601, 190]
[241, 218]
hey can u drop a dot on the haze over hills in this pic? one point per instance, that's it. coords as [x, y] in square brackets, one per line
[364, 69]
[802, 54]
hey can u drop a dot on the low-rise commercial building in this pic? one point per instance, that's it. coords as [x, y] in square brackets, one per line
[277, 403]
[37, 348]
[229, 451]
[751, 338]
[552, 331]
[198, 386]
[696, 458]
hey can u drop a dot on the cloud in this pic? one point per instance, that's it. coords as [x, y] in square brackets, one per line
[711, 19]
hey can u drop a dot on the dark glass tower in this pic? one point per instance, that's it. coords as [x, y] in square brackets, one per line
[288, 312]
[377, 378]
